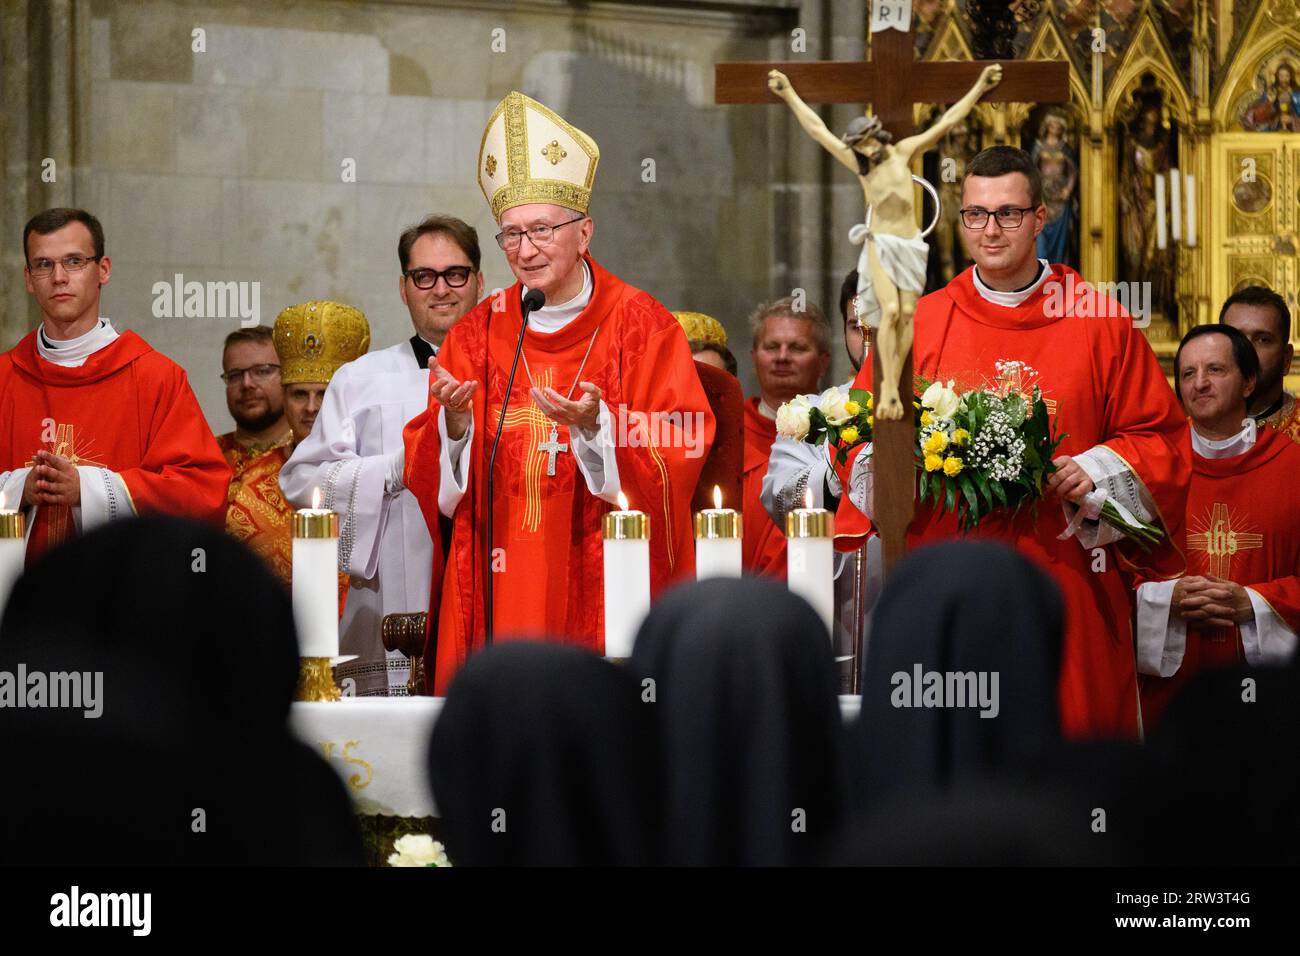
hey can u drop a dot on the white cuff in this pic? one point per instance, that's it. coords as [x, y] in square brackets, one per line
[453, 479]
[596, 458]
[1115, 484]
[1161, 634]
[103, 498]
[1266, 641]
[393, 483]
[861, 480]
[833, 484]
[11, 487]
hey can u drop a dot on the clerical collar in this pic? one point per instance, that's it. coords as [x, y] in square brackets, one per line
[423, 349]
[552, 318]
[1011, 299]
[1271, 410]
[72, 353]
[766, 410]
[1229, 447]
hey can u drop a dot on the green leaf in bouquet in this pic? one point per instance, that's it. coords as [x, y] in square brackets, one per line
[1015, 408]
[982, 484]
[925, 483]
[968, 491]
[859, 395]
[998, 491]
[951, 496]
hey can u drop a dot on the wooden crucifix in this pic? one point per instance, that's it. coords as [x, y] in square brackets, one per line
[891, 81]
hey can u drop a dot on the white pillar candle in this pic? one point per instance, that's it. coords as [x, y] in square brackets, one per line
[627, 577]
[810, 555]
[13, 549]
[1160, 211]
[316, 582]
[1176, 205]
[1190, 181]
[717, 541]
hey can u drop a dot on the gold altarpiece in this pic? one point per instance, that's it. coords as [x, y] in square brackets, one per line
[1215, 73]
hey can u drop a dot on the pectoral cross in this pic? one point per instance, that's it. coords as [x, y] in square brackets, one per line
[552, 447]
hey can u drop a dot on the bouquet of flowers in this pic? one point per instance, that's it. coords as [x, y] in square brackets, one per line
[843, 418]
[976, 452]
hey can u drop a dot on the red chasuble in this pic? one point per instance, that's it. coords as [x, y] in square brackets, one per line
[1243, 526]
[763, 544]
[128, 409]
[1103, 385]
[547, 546]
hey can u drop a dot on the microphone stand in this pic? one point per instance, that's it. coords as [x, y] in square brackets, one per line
[535, 299]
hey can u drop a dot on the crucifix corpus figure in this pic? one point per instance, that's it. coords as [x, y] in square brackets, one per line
[891, 268]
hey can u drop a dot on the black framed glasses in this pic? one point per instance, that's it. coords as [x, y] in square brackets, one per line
[259, 373]
[1008, 217]
[455, 277]
[40, 268]
[539, 235]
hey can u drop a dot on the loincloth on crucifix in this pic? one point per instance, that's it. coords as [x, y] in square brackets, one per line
[902, 259]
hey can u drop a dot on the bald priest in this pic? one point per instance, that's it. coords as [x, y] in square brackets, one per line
[605, 400]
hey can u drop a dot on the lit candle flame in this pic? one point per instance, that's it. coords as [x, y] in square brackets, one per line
[717, 497]
[315, 499]
[807, 498]
[622, 501]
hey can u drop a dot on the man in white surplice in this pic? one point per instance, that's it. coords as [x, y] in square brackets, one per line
[355, 453]
[797, 467]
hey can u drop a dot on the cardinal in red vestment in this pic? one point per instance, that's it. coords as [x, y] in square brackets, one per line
[1240, 600]
[1013, 321]
[605, 400]
[791, 354]
[97, 424]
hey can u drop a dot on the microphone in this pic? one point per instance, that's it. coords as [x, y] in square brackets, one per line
[535, 299]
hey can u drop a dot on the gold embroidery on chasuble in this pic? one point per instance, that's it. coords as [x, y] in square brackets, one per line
[539, 429]
[64, 444]
[1219, 535]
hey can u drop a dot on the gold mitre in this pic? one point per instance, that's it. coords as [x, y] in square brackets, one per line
[530, 154]
[314, 338]
[702, 328]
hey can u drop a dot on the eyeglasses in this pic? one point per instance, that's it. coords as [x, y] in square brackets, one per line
[259, 373]
[1008, 217]
[455, 277]
[40, 268]
[539, 235]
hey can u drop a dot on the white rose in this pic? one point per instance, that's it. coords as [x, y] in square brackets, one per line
[417, 849]
[941, 399]
[792, 418]
[832, 405]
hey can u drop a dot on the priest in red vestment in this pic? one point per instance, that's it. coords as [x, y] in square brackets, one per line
[791, 354]
[1016, 321]
[605, 400]
[1239, 602]
[97, 424]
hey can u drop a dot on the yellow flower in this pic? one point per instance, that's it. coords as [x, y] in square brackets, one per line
[848, 435]
[926, 419]
[933, 462]
[937, 442]
[852, 407]
[960, 437]
[871, 401]
[871, 421]
[951, 466]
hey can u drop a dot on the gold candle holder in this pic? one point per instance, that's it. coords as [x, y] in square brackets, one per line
[809, 523]
[315, 523]
[626, 525]
[714, 523]
[316, 680]
[12, 524]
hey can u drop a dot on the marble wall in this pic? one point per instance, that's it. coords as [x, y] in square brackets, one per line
[228, 164]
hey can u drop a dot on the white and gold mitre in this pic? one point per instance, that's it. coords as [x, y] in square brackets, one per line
[530, 154]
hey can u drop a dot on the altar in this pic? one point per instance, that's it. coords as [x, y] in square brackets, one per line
[379, 746]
